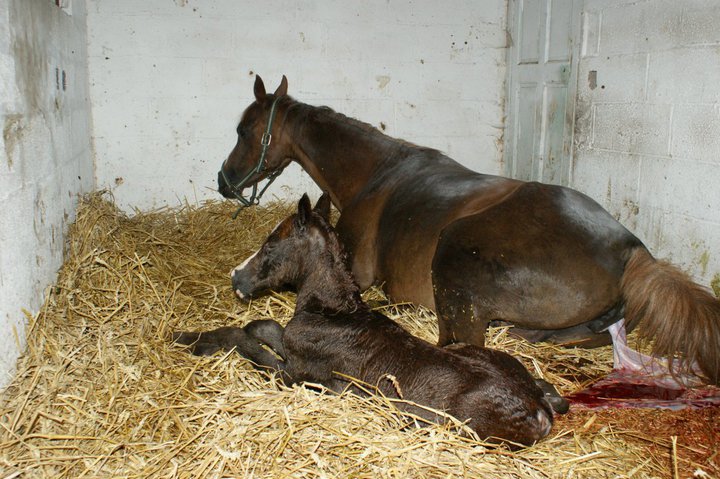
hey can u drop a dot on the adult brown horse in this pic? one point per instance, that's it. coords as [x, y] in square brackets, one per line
[477, 248]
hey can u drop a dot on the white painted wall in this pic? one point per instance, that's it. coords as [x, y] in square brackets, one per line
[169, 80]
[45, 157]
[648, 135]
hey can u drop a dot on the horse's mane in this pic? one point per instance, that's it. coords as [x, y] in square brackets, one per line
[328, 114]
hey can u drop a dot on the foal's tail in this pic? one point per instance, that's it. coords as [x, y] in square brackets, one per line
[677, 315]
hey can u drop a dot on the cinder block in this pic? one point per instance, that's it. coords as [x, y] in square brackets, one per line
[685, 75]
[134, 120]
[369, 60]
[696, 133]
[634, 128]
[687, 188]
[399, 43]
[619, 78]
[656, 25]
[608, 178]
[442, 118]
[419, 82]
[155, 36]
[453, 12]
[121, 79]
[276, 40]
[684, 240]
[481, 153]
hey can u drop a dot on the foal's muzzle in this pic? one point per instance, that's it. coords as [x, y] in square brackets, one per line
[241, 286]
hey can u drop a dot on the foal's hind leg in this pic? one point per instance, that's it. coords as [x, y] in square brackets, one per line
[226, 338]
[487, 357]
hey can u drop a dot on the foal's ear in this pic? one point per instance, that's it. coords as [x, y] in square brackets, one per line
[259, 89]
[322, 207]
[304, 211]
[282, 89]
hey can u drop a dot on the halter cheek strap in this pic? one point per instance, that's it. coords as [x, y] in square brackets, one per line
[237, 188]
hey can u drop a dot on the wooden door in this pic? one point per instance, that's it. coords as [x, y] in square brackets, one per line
[542, 80]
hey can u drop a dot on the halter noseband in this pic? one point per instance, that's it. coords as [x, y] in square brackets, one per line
[237, 188]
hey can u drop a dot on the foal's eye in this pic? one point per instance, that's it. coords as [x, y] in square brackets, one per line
[240, 131]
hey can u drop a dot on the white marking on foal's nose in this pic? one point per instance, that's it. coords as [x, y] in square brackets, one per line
[239, 293]
[243, 264]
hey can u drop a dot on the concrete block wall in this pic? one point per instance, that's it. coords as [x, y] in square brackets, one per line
[647, 136]
[170, 79]
[45, 154]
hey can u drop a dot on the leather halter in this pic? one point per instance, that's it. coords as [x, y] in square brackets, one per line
[237, 188]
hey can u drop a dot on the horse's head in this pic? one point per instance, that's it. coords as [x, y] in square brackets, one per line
[290, 253]
[261, 150]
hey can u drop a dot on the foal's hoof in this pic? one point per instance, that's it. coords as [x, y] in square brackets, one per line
[558, 403]
[196, 345]
[186, 339]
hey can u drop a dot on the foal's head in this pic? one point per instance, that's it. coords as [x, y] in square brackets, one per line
[297, 247]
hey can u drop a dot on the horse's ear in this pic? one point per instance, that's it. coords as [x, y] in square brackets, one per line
[322, 207]
[282, 89]
[304, 211]
[259, 89]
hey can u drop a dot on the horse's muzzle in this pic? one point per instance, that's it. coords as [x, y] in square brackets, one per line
[223, 187]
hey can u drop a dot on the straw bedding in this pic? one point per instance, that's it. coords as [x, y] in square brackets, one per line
[101, 392]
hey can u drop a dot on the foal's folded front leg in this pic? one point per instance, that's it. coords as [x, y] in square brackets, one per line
[226, 338]
[268, 332]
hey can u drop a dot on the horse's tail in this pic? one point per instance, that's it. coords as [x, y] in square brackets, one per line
[678, 316]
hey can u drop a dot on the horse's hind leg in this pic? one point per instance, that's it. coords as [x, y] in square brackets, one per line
[228, 338]
[576, 336]
[591, 334]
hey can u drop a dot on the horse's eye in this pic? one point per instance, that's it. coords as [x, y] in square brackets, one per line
[240, 131]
